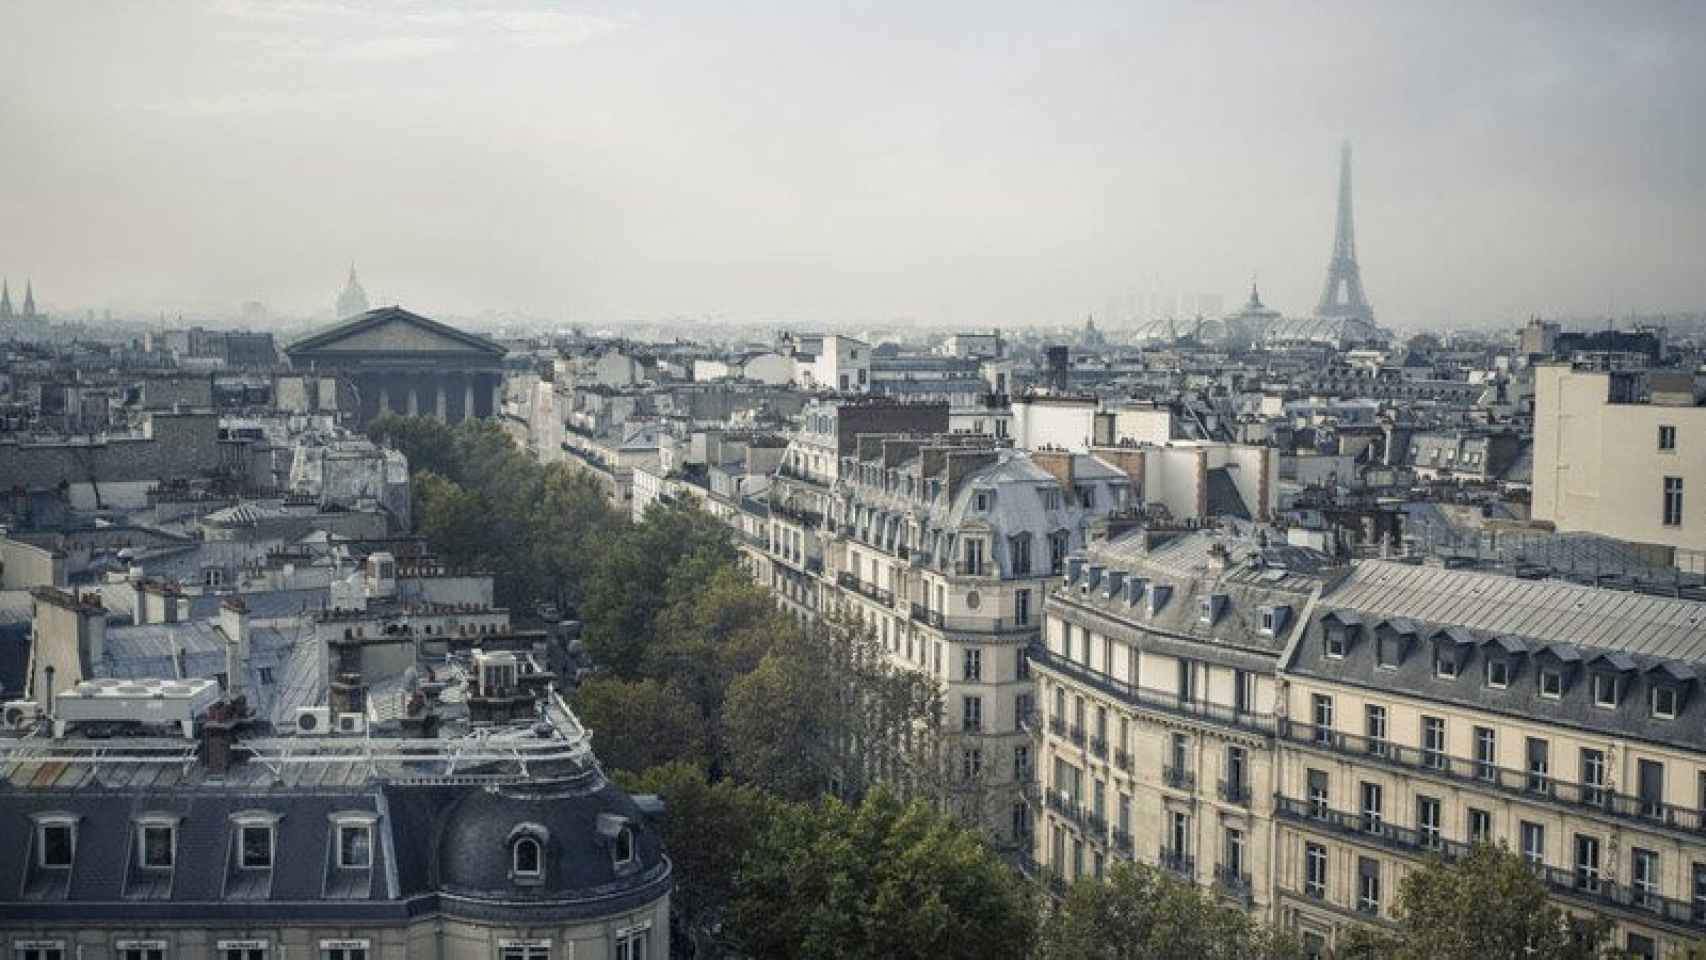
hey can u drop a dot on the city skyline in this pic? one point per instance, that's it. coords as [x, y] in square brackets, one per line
[951, 170]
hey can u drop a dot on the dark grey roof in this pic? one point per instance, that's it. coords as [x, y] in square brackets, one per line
[1224, 500]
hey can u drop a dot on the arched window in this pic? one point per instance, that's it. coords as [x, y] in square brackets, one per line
[528, 859]
[624, 846]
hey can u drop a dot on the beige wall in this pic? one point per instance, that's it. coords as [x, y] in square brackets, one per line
[1598, 467]
[25, 565]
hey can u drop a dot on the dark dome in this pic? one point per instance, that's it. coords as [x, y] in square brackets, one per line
[577, 831]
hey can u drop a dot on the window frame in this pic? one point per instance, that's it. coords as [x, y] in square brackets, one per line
[1503, 668]
[353, 827]
[243, 828]
[517, 871]
[624, 840]
[1601, 680]
[55, 821]
[155, 822]
[1554, 678]
[1675, 701]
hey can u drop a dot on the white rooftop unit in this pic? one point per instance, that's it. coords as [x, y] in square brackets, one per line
[135, 701]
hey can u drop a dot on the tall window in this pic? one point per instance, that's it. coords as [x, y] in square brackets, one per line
[1593, 777]
[256, 846]
[1021, 549]
[1644, 876]
[1373, 797]
[159, 846]
[1587, 862]
[1539, 765]
[972, 713]
[633, 946]
[1322, 713]
[1368, 885]
[527, 861]
[974, 664]
[1667, 438]
[355, 846]
[1375, 729]
[1021, 607]
[1486, 753]
[1427, 820]
[1533, 842]
[1480, 826]
[1022, 762]
[1317, 793]
[1057, 552]
[1315, 870]
[1673, 502]
[1433, 742]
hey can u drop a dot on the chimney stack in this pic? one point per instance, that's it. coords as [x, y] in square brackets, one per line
[234, 623]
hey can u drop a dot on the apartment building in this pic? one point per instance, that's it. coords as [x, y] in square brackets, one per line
[1426, 709]
[1623, 455]
[945, 546]
[1157, 677]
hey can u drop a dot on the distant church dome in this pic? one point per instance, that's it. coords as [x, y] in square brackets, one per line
[353, 300]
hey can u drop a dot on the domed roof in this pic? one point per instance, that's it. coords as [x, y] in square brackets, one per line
[578, 833]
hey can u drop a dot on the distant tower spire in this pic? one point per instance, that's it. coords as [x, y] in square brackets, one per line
[1343, 296]
[353, 301]
[29, 300]
[5, 300]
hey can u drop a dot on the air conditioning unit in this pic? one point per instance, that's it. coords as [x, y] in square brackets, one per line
[352, 723]
[18, 714]
[313, 721]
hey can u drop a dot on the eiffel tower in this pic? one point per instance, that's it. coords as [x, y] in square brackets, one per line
[1343, 296]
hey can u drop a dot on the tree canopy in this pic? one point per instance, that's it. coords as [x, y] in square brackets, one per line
[1140, 913]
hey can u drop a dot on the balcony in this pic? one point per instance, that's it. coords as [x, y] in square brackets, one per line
[1535, 785]
[1076, 734]
[1122, 760]
[795, 473]
[1234, 883]
[1146, 698]
[1233, 791]
[961, 624]
[972, 568]
[1096, 824]
[1179, 862]
[1062, 804]
[1057, 726]
[1099, 747]
[1122, 842]
[810, 519]
[1369, 829]
[1626, 899]
[1178, 778]
[1030, 720]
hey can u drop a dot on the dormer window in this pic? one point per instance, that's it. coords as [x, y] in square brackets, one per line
[56, 842]
[623, 852]
[1498, 673]
[1273, 620]
[256, 846]
[159, 845]
[527, 859]
[355, 846]
[1205, 610]
[1665, 701]
[1551, 684]
[1445, 664]
[982, 499]
[1605, 690]
[1335, 644]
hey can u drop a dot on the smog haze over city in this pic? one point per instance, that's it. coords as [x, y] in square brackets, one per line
[946, 164]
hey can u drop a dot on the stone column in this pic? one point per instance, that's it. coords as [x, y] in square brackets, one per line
[497, 395]
[414, 399]
[468, 400]
[384, 398]
[443, 408]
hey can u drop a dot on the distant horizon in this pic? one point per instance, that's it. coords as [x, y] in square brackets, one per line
[949, 164]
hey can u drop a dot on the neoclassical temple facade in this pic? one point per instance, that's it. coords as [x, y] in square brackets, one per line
[392, 361]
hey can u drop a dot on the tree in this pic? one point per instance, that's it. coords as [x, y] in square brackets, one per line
[1486, 906]
[707, 829]
[880, 880]
[1139, 913]
[776, 728]
[639, 724]
[628, 588]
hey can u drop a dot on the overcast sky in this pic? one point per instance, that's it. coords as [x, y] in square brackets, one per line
[970, 163]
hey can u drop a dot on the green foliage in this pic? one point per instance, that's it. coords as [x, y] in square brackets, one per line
[774, 728]
[707, 830]
[1139, 913]
[881, 880]
[639, 724]
[1487, 906]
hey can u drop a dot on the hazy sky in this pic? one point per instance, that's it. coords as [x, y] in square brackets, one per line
[971, 163]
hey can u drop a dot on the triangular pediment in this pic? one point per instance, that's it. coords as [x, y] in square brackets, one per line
[397, 331]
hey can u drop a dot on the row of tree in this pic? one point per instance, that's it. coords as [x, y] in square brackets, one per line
[743, 722]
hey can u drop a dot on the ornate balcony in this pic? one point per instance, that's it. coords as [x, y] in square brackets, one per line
[1236, 792]
[1122, 760]
[1145, 698]
[1099, 747]
[1178, 778]
[1179, 862]
[1233, 883]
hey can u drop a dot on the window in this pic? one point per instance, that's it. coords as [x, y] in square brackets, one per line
[1673, 502]
[1317, 792]
[1315, 870]
[1697, 892]
[1427, 820]
[1021, 820]
[1322, 714]
[241, 949]
[1205, 610]
[1593, 777]
[1539, 764]
[1433, 742]
[624, 851]
[1373, 797]
[256, 843]
[1445, 664]
[524, 950]
[1480, 826]
[1270, 620]
[57, 844]
[140, 949]
[632, 945]
[1650, 787]
[974, 664]
[1057, 552]
[1233, 852]
[972, 713]
[343, 950]
[1021, 607]
[1386, 651]
[1335, 643]
[1486, 753]
[1187, 681]
[1644, 876]
[1375, 729]
[38, 950]
[1533, 842]
[1022, 762]
[1498, 673]
[1667, 438]
[1587, 862]
[159, 845]
[971, 764]
[1664, 702]
[526, 859]
[1243, 691]
[982, 501]
[355, 846]
[1641, 947]
[1605, 690]
[1020, 547]
[1551, 684]
[1368, 885]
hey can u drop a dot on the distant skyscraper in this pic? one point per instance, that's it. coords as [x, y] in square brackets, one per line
[354, 299]
[1344, 297]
